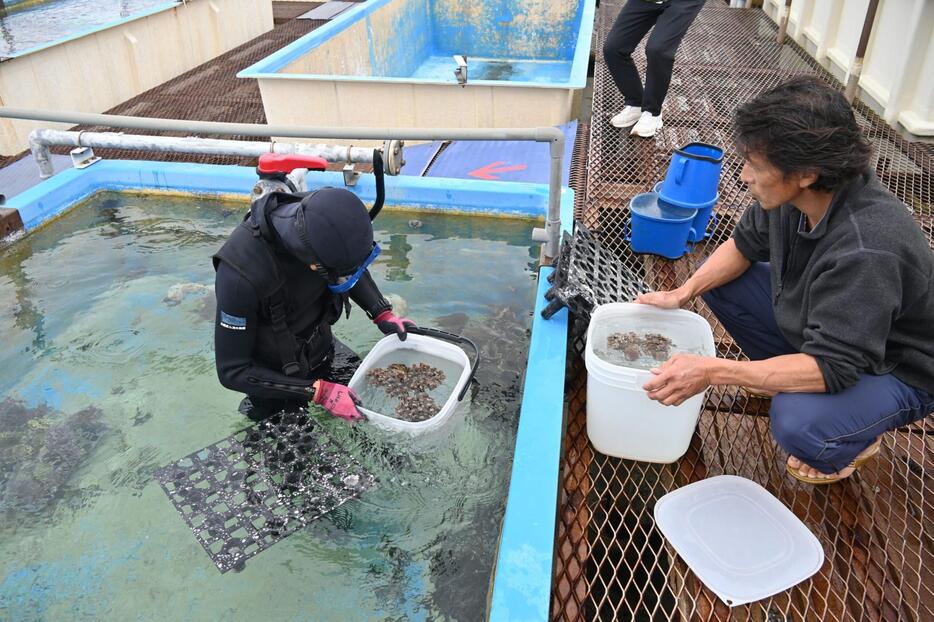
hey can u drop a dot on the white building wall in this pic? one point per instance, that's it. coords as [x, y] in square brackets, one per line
[897, 74]
[95, 72]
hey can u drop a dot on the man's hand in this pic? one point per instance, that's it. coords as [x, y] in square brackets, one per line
[389, 323]
[339, 400]
[663, 300]
[680, 377]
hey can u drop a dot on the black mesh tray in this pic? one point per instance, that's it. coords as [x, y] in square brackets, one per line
[243, 494]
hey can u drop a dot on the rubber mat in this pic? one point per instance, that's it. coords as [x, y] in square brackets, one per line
[249, 491]
[503, 160]
[418, 157]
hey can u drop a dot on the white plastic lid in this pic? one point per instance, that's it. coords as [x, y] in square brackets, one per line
[742, 542]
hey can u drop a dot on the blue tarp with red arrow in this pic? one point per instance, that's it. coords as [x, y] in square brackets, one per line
[503, 160]
[417, 157]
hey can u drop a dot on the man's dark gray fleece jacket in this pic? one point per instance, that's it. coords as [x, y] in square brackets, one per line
[857, 291]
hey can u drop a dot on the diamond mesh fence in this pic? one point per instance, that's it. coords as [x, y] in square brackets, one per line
[612, 563]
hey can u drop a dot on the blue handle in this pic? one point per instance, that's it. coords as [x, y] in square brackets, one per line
[692, 241]
[682, 167]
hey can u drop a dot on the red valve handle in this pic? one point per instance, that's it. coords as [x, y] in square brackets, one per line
[286, 163]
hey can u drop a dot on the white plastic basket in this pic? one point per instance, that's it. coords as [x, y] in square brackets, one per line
[428, 341]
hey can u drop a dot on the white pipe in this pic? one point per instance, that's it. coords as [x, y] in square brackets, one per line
[551, 135]
[40, 140]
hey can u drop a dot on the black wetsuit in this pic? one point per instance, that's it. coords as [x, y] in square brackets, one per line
[248, 352]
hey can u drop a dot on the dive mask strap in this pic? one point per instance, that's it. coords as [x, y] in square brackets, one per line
[345, 284]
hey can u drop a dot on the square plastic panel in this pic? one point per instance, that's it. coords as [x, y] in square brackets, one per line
[742, 542]
[588, 274]
[243, 494]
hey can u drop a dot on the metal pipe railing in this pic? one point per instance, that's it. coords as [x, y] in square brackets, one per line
[551, 135]
[784, 14]
[856, 69]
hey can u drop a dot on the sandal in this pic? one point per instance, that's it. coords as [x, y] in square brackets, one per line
[858, 462]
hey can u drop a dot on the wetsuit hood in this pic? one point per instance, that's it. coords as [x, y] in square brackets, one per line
[330, 227]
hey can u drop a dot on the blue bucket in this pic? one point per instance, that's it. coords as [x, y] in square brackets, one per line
[659, 228]
[693, 176]
[704, 220]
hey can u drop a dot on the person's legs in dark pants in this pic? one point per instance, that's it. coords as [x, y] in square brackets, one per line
[824, 431]
[661, 48]
[827, 431]
[633, 22]
[744, 307]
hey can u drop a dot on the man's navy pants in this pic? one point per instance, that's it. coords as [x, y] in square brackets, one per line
[823, 430]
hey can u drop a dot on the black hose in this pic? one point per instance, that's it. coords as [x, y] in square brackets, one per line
[380, 184]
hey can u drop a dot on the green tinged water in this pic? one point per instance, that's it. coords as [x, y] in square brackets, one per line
[107, 373]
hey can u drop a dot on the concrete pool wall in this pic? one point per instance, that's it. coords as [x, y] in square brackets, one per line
[521, 586]
[390, 63]
[94, 70]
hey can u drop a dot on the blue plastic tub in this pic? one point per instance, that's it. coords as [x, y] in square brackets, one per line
[704, 220]
[659, 228]
[693, 176]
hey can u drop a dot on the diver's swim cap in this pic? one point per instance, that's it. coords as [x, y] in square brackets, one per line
[330, 227]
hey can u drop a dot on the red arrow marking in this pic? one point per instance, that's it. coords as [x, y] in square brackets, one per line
[486, 172]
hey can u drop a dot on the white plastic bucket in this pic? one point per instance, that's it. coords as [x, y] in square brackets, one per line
[621, 419]
[426, 345]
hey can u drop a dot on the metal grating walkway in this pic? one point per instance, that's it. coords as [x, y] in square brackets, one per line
[877, 528]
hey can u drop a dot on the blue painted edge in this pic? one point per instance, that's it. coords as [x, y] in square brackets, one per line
[523, 571]
[270, 66]
[57, 194]
[171, 4]
[584, 40]
[522, 582]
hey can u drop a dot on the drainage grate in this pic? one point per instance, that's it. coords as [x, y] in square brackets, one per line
[611, 561]
[243, 494]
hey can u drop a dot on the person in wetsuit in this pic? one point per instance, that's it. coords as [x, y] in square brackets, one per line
[285, 275]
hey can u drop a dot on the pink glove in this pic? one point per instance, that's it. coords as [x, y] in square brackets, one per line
[390, 323]
[338, 400]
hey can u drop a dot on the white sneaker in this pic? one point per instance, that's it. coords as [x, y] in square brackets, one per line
[647, 125]
[627, 117]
